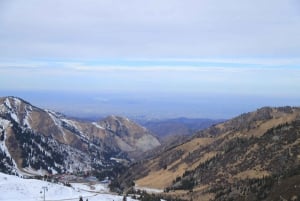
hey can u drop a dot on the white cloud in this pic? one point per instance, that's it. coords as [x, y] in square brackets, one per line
[228, 65]
[153, 29]
[20, 65]
[160, 76]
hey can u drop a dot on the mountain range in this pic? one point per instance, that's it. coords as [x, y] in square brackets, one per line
[179, 126]
[254, 156]
[40, 141]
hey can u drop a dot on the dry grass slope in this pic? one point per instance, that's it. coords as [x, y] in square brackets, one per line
[229, 161]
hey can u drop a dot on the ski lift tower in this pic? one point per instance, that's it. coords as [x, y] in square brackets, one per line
[45, 188]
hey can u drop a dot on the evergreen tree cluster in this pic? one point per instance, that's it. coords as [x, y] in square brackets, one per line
[277, 152]
[2, 135]
[36, 150]
[70, 128]
[6, 163]
[145, 196]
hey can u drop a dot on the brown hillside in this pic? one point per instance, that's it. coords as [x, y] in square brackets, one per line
[240, 158]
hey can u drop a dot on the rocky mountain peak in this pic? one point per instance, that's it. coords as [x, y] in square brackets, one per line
[136, 139]
[117, 124]
[38, 140]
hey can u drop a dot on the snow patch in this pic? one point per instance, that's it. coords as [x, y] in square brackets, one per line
[98, 126]
[86, 187]
[17, 101]
[30, 171]
[148, 190]
[57, 122]
[53, 117]
[70, 122]
[14, 117]
[9, 108]
[27, 117]
[4, 123]
[7, 103]
[26, 122]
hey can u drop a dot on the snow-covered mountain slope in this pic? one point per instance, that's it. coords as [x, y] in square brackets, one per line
[13, 188]
[34, 140]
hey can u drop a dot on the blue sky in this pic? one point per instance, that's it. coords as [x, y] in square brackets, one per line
[203, 58]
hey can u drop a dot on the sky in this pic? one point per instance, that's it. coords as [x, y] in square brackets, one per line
[162, 59]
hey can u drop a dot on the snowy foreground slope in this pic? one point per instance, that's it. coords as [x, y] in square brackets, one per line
[13, 188]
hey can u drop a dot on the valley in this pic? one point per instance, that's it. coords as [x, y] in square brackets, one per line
[149, 100]
[249, 157]
[244, 158]
[165, 128]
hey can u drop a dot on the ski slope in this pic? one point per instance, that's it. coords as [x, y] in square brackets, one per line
[13, 188]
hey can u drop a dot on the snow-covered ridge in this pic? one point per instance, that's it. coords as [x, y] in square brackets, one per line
[10, 110]
[17, 101]
[63, 123]
[43, 153]
[57, 122]
[51, 141]
[12, 106]
[97, 125]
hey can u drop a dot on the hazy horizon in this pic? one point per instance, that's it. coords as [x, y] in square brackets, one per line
[143, 106]
[199, 59]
